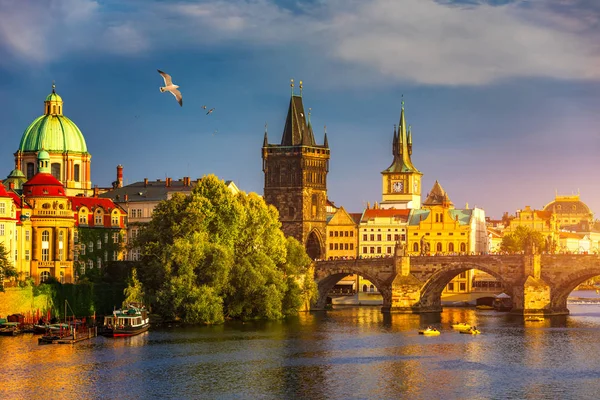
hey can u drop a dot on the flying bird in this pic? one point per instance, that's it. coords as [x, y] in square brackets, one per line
[204, 107]
[210, 111]
[169, 87]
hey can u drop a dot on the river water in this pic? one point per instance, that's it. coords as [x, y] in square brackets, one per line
[347, 353]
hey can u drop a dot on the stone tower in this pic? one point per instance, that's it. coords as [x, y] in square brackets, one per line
[296, 178]
[401, 181]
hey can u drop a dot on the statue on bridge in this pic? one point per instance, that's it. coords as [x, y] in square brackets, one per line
[424, 246]
[400, 249]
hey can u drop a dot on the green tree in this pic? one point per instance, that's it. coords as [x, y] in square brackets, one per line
[7, 270]
[214, 255]
[134, 293]
[521, 238]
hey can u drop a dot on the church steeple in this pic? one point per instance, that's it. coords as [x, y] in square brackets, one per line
[401, 180]
[297, 130]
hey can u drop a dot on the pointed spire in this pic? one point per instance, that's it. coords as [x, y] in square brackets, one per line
[325, 141]
[266, 140]
[402, 147]
[395, 143]
[297, 132]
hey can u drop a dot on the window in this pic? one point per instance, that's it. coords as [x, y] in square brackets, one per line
[115, 236]
[16, 255]
[330, 246]
[389, 237]
[450, 247]
[372, 250]
[82, 250]
[1, 229]
[438, 247]
[27, 236]
[76, 173]
[416, 247]
[351, 246]
[76, 236]
[106, 256]
[115, 256]
[389, 250]
[44, 276]
[335, 246]
[90, 264]
[451, 287]
[30, 170]
[463, 247]
[379, 237]
[83, 217]
[364, 250]
[336, 234]
[365, 237]
[2, 208]
[115, 218]
[99, 218]
[106, 237]
[346, 233]
[378, 249]
[372, 237]
[330, 233]
[62, 277]
[91, 246]
[463, 286]
[351, 233]
[45, 246]
[61, 250]
[26, 255]
[99, 244]
[55, 169]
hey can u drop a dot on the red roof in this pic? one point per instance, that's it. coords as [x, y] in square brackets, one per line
[383, 213]
[43, 184]
[3, 192]
[92, 202]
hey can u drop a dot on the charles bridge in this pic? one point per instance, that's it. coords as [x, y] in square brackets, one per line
[538, 284]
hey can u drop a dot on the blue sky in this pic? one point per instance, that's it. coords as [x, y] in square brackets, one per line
[502, 96]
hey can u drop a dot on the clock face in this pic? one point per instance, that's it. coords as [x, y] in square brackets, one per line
[397, 187]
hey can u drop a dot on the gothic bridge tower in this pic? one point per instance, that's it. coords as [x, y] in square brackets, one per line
[296, 178]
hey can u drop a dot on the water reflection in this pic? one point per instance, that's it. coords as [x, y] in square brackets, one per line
[350, 353]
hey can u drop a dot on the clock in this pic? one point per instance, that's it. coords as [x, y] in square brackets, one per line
[397, 186]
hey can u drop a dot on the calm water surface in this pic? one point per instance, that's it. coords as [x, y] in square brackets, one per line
[349, 353]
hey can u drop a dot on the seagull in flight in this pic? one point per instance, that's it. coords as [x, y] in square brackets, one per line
[169, 87]
[204, 107]
[210, 111]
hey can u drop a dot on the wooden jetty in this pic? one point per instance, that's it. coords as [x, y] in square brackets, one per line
[75, 337]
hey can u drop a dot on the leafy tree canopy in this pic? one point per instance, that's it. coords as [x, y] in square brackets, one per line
[7, 269]
[521, 238]
[213, 255]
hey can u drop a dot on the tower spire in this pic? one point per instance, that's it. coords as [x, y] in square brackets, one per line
[325, 141]
[266, 140]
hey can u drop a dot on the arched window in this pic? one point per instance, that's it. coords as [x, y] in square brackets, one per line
[438, 247]
[99, 217]
[463, 247]
[46, 246]
[450, 247]
[83, 216]
[30, 170]
[55, 169]
[44, 276]
[115, 218]
[371, 288]
[90, 264]
[416, 247]
[365, 288]
[99, 262]
[315, 200]
[76, 173]
[99, 244]
[91, 246]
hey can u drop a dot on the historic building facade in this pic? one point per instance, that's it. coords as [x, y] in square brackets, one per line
[65, 144]
[295, 174]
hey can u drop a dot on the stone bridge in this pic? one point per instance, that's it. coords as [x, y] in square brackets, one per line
[538, 284]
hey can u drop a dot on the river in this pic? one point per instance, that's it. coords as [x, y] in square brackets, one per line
[348, 353]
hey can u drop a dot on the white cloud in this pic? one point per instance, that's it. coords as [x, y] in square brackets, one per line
[420, 41]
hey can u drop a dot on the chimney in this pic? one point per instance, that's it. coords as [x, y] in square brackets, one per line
[126, 197]
[11, 185]
[168, 182]
[186, 181]
[119, 176]
[96, 191]
[145, 182]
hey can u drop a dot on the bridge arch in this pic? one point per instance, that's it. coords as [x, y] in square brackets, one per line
[431, 293]
[568, 283]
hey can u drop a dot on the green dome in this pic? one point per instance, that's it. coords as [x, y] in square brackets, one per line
[54, 133]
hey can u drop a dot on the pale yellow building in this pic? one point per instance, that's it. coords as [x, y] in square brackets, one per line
[8, 226]
[569, 210]
[342, 236]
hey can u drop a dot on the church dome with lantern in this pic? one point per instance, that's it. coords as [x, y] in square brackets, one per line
[56, 134]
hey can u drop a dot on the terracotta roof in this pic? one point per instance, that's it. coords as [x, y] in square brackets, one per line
[570, 235]
[89, 202]
[356, 217]
[385, 213]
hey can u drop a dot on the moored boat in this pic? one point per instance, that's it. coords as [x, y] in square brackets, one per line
[130, 321]
[471, 331]
[461, 326]
[429, 332]
[10, 329]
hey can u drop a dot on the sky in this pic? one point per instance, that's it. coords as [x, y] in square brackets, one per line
[503, 96]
